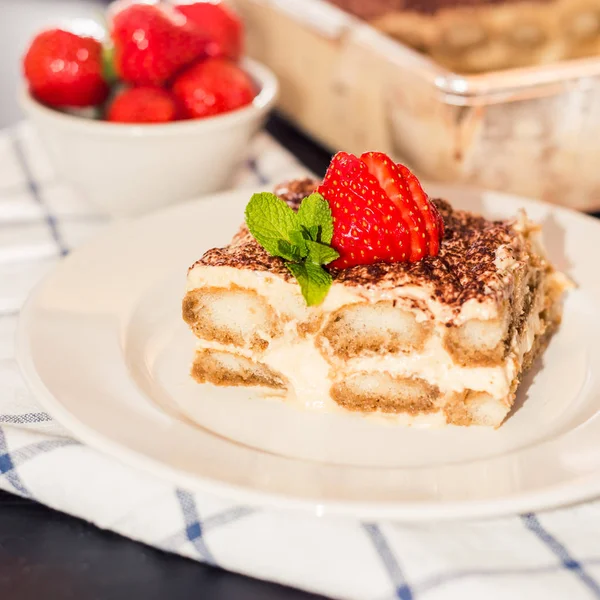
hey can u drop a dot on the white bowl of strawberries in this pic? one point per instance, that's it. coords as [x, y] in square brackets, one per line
[161, 110]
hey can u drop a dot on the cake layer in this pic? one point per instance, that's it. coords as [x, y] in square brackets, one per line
[300, 340]
[472, 36]
[446, 338]
[410, 383]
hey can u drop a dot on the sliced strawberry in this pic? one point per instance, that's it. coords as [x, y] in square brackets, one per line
[429, 212]
[391, 181]
[361, 185]
[368, 227]
[361, 235]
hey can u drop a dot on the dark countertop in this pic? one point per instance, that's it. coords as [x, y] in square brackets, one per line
[47, 555]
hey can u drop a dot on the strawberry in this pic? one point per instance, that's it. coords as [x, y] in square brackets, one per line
[368, 227]
[65, 70]
[380, 211]
[220, 25]
[143, 105]
[211, 87]
[431, 216]
[396, 188]
[152, 43]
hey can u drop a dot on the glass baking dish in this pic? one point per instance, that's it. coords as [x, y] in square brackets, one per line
[532, 131]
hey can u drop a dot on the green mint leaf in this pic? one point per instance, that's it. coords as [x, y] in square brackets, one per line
[315, 211]
[320, 254]
[299, 240]
[310, 233]
[314, 281]
[270, 220]
[291, 251]
[313, 232]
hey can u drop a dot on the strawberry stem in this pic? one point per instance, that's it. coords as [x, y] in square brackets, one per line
[109, 70]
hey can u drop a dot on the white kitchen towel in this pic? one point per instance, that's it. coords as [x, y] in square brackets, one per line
[548, 556]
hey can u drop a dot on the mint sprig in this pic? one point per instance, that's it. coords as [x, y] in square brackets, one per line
[300, 238]
[314, 281]
[314, 215]
[320, 254]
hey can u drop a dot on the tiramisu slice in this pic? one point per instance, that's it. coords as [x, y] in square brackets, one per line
[442, 339]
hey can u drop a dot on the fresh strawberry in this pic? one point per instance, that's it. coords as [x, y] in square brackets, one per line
[431, 216]
[143, 105]
[220, 25]
[211, 87]
[368, 227]
[396, 188]
[65, 70]
[380, 211]
[153, 42]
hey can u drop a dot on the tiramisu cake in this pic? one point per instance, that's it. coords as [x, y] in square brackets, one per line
[424, 312]
[473, 36]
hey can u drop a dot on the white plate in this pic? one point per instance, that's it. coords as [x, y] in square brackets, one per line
[102, 344]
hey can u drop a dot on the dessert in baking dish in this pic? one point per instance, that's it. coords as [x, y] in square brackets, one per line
[474, 36]
[423, 311]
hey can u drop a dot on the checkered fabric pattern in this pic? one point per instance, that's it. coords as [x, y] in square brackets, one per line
[549, 556]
